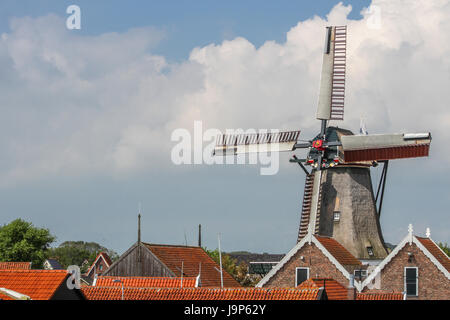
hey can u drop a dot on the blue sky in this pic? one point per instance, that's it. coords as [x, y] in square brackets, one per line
[87, 115]
[186, 24]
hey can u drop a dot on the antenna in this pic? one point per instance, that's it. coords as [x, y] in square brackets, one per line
[199, 274]
[139, 239]
[185, 238]
[220, 261]
[182, 266]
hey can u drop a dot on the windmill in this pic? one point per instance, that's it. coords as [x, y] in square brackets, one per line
[339, 200]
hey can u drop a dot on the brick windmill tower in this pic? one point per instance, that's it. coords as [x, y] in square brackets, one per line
[339, 200]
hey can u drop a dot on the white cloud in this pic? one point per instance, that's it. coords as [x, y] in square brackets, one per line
[75, 104]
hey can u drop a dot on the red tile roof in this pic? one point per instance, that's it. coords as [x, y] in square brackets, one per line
[334, 290]
[15, 265]
[37, 284]
[149, 282]
[172, 256]
[115, 293]
[436, 252]
[380, 296]
[342, 255]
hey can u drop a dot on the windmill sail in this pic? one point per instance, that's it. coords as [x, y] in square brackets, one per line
[377, 147]
[232, 144]
[332, 80]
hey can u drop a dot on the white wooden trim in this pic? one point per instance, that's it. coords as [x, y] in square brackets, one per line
[309, 238]
[95, 262]
[384, 262]
[432, 257]
[331, 258]
[283, 261]
[394, 252]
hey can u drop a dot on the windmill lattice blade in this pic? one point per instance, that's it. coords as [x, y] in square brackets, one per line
[377, 147]
[229, 144]
[332, 81]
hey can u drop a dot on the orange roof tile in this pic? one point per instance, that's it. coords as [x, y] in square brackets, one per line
[172, 256]
[37, 284]
[342, 255]
[334, 290]
[436, 252]
[15, 265]
[380, 296]
[148, 282]
[115, 293]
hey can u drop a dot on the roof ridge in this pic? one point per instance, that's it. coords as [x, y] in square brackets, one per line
[35, 270]
[171, 245]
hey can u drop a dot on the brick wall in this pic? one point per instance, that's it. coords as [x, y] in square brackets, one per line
[432, 283]
[319, 266]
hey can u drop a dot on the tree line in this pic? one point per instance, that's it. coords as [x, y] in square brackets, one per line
[22, 241]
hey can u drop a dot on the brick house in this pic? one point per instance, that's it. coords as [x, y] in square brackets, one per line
[416, 267]
[313, 257]
[101, 263]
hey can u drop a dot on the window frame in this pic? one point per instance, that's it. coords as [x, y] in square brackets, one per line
[338, 213]
[362, 271]
[417, 282]
[296, 274]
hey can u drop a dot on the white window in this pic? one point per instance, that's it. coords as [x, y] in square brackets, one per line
[411, 281]
[301, 274]
[337, 215]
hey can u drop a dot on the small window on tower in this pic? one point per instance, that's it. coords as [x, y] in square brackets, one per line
[370, 251]
[337, 215]
[359, 274]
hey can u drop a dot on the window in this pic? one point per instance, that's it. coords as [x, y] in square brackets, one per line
[301, 274]
[101, 267]
[337, 215]
[359, 274]
[370, 251]
[411, 281]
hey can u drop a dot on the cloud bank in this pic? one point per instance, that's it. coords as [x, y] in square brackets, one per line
[105, 104]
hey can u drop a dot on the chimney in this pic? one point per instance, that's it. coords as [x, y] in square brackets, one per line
[351, 291]
[199, 235]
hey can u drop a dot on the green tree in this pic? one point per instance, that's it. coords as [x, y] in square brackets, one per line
[238, 272]
[445, 248]
[21, 241]
[79, 253]
[228, 263]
